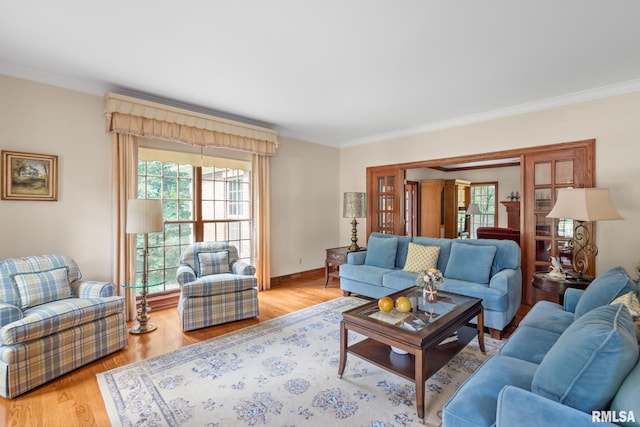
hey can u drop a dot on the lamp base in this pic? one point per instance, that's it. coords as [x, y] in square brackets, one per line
[143, 329]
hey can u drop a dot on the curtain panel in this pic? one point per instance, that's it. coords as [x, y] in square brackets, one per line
[131, 116]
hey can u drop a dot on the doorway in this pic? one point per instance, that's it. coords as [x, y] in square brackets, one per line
[580, 155]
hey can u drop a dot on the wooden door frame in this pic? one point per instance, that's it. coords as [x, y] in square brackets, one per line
[588, 145]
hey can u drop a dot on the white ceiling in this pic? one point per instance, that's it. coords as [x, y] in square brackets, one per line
[335, 72]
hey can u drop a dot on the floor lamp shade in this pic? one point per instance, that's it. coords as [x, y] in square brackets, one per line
[144, 216]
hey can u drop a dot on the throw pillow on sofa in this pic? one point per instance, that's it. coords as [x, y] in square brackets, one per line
[606, 287]
[420, 257]
[471, 263]
[381, 252]
[42, 287]
[592, 357]
[630, 300]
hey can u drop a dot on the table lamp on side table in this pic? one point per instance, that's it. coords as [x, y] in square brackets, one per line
[355, 206]
[144, 216]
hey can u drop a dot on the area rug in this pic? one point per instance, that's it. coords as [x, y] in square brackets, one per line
[281, 372]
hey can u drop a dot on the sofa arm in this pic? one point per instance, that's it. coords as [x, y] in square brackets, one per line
[508, 281]
[93, 289]
[185, 274]
[522, 408]
[571, 297]
[9, 313]
[243, 268]
[356, 258]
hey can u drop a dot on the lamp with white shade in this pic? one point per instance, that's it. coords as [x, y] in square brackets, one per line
[581, 205]
[473, 209]
[354, 206]
[144, 216]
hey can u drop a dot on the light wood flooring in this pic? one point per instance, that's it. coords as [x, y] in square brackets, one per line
[75, 399]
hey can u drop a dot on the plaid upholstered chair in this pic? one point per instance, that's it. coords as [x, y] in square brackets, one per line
[215, 287]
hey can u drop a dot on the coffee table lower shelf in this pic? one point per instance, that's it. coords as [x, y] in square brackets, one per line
[403, 365]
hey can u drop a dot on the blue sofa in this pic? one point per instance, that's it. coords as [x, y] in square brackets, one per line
[52, 321]
[482, 268]
[564, 365]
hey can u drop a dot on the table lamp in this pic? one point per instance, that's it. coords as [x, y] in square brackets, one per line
[355, 206]
[580, 205]
[144, 216]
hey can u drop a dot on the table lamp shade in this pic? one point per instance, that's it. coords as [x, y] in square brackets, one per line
[144, 216]
[355, 205]
[584, 204]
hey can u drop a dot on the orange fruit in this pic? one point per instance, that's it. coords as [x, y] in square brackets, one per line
[403, 304]
[385, 304]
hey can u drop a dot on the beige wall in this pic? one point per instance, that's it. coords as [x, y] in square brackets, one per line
[304, 205]
[37, 118]
[612, 121]
[44, 119]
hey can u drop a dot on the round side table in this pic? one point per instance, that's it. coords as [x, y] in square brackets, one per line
[544, 282]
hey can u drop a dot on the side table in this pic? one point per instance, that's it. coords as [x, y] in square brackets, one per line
[544, 282]
[334, 259]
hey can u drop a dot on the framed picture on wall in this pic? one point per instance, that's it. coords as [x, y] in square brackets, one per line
[28, 176]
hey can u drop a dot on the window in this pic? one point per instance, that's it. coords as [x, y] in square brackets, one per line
[223, 195]
[484, 194]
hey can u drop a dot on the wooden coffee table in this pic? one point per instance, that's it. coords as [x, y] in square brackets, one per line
[422, 343]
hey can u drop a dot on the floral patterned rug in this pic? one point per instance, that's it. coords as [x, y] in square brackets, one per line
[281, 372]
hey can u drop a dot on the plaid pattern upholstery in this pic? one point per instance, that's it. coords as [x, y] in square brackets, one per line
[31, 264]
[213, 262]
[207, 300]
[43, 286]
[201, 312]
[48, 340]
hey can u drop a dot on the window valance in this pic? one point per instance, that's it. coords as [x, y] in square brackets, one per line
[132, 116]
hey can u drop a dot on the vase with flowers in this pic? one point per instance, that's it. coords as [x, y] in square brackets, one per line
[429, 280]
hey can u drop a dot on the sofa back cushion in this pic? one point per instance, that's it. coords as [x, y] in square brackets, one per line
[42, 287]
[606, 287]
[401, 250]
[507, 253]
[588, 363]
[471, 263]
[381, 252]
[32, 264]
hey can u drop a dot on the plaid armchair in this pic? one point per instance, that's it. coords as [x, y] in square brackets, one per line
[52, 321]
[215, 287]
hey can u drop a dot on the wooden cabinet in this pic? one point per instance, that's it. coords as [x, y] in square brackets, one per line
[513, 214]
[443, 203]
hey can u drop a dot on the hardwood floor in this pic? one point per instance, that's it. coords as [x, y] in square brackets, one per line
[75, 399]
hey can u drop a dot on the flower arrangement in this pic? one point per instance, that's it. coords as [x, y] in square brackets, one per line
[432, 276]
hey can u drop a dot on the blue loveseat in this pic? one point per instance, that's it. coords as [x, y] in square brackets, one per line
[52, 321]
[482, 268]
[564, 365]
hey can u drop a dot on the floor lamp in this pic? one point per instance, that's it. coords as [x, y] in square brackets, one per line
[355, 206]
[581, 205]
[144, 216]
[473, 210]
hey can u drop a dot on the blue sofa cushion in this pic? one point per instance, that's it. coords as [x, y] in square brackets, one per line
[548, 316]
[42, 287]
[471, 263]
[398, 279]
[529, 343]
[381, 252]
[363, 273]
[492, 298]
[626, 398]
[605, 288]
[587, 364]
[475, 401]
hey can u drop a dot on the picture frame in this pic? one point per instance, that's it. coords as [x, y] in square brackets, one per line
[29, 176]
